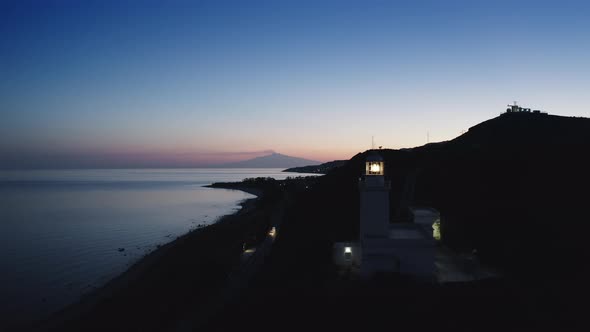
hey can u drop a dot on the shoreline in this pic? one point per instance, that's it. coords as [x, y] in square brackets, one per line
[236, 186]
[87, 302]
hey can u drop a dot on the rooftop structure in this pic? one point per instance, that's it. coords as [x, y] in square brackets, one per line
[514, 108]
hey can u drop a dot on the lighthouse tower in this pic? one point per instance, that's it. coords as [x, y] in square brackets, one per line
[384, 247]
[399, 247]
[374, 218]
[374, 194]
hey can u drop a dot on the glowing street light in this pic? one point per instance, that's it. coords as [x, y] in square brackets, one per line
[272, 232]
[348, 253]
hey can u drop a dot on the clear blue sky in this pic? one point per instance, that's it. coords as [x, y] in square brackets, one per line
[168, 83]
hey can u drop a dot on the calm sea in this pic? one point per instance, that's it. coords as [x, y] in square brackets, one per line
[66, 232]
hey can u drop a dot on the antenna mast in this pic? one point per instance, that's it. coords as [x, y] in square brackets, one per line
[372, 142]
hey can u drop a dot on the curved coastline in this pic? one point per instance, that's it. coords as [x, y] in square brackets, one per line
[144, 265]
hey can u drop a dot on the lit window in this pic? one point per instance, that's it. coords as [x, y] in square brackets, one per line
[436, 230]
[348, 253]
[375, 168]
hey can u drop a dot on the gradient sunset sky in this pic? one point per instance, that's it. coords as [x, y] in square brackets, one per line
[195, 83]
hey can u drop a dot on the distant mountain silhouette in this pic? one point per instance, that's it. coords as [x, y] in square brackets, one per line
[275, 160]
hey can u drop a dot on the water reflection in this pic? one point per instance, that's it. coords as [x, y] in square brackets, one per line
[63, 233]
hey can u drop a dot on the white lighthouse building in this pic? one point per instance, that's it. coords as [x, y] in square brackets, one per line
[385, 247]
[404, 248]
[374, 194]
[374, 219]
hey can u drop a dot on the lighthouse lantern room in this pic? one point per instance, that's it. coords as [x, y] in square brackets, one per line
[374, 166]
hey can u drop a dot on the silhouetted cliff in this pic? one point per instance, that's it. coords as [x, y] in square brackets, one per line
[514, 187]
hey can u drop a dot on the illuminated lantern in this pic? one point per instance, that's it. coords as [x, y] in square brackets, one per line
[374, 165]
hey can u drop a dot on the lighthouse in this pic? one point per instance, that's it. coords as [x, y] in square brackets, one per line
[389, 247]
[374, 219]
[382, 246]
[374, 204]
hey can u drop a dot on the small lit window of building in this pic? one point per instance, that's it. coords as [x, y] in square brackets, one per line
[347, 253]
[436, 230]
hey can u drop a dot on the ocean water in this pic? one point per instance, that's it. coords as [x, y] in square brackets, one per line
[66, 232]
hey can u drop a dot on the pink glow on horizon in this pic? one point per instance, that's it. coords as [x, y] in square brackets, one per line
[125, 158]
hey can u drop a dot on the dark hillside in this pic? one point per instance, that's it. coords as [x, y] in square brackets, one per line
[514, 188]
